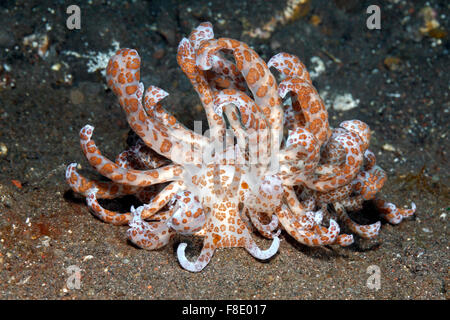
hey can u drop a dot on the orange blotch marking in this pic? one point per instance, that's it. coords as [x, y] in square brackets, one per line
[166, 146]
[133, 104]
[107, 168]
[121, 78]
[17, 183]
[266, 111]
[95, 161]
[142, 116]
[252, 76]
[247, 55]
[131, 177]
[133, 64]
[221, 43]
[216, 238]
[351, 160]
[172, 120]
[260, 69]
[154, 174]
[234, 43]
[131, 89]
[262, 91]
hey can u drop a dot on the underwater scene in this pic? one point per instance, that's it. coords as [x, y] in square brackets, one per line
[212, 150]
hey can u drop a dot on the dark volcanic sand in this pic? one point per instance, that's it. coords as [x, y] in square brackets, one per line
[44, 228]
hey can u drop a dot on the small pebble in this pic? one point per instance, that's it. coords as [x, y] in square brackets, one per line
[45, 241]
[315, 20]
[393, 63]
[56, 67]
[344, 102]
[388, 147]
[76, 96]
[88, 257]
[3, 150]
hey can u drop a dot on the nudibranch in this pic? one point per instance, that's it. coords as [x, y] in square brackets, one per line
[270, 162]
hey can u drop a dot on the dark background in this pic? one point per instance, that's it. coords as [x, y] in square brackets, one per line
[399, 74]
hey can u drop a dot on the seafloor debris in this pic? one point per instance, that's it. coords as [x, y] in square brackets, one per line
[40, 42]
[294, 10]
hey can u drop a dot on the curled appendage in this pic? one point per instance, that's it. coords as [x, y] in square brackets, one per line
[147, 194]
[311, 238]
[256, 252]
[368, 183]
[369, 231]
[140, 157]
[331, 154]
[252, 119]
[300, 155]
[251, 115]
[236, 126]
[344, 240]
[269, 195]
[341, 239]
[265, 229]
[106, 190]
[188, 217]
[204, 31]
[369, 160]
[309, 203]
[163, 216]
[289, 66]
[292, 117]
[307, 221]
[310, 104]
[148, 235]
[408, 212]
[111, 170]
[337, 195]
[304, 217]
[258, 77]
[225, 75]
[186, 60]
[360, 128]
[143, 157]
[123, 159]
[123, 76]
[353, 203]
[103, 214]
[124, 69]
[391, 213]
[317, 216]
[339, 174]
[202, 261]
[152, 96]
[352, 139]
[160, 200]
[245, 219]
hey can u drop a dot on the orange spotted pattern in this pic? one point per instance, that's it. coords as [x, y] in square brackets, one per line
[267, 165]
